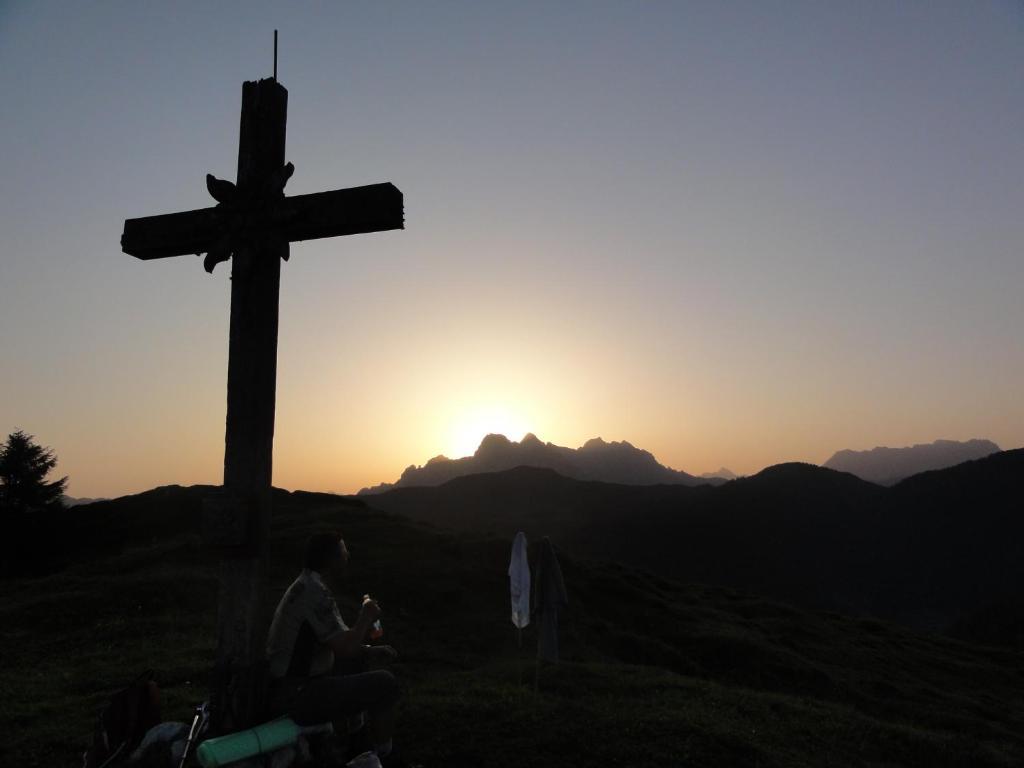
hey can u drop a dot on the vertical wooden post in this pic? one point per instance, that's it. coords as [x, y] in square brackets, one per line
[249, 434]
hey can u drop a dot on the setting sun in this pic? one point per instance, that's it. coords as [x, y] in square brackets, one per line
[470, 426]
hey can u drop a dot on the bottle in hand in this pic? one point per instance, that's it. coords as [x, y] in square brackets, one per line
[376, 631]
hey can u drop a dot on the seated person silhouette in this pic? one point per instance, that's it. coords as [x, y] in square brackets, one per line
[320, 669]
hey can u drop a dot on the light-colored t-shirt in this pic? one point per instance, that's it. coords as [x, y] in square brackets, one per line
[305, 619]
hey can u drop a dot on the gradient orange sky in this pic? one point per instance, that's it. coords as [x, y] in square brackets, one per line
[732, 234]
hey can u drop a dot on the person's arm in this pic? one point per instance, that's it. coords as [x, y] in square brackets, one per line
[349, 643]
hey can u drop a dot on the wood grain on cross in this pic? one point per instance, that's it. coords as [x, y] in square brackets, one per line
[253, 224]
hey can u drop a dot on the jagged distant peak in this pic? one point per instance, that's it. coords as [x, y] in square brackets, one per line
[493, 441]
[598, 443]
[723, 473]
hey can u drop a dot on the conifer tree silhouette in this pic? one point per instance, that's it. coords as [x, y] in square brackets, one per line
[24, 466]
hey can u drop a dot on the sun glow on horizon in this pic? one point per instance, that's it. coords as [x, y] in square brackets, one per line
[469, 426]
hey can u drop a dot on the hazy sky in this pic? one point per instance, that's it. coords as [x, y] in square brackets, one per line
[730, 233]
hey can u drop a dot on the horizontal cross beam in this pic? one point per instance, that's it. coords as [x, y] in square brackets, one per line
[353, 211]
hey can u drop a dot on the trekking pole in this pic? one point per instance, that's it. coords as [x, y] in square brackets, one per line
[202, 716]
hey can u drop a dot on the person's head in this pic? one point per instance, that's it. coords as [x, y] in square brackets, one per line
[326, 553]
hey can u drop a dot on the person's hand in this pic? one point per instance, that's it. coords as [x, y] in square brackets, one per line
[370, 610]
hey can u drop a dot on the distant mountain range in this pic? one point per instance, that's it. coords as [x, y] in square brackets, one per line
[938, 549]
[615, 462]
[887, 466]
[623, 463]
[722, 474]
[71, 501]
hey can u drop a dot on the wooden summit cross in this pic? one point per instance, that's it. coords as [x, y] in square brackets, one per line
[252, 224]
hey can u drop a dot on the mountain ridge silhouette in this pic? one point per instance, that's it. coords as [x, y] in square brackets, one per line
[596, 459]
[888, 466]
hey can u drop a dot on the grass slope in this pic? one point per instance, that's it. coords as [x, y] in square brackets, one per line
[655, 672]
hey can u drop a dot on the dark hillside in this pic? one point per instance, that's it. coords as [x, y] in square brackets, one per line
[956, 538]
[773, 533]
[656, 672]
[36, 545]
[929, 551]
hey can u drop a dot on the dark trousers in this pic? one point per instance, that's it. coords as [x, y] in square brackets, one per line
[346, 690]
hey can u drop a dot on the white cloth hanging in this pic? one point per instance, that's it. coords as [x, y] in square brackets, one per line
[519, 582]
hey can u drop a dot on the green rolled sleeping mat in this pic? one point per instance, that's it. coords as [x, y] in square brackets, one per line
[256, 741]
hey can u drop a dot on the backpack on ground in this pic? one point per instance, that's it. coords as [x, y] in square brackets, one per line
[121, 724]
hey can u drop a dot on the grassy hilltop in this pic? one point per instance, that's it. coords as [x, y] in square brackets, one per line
[656, 673]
